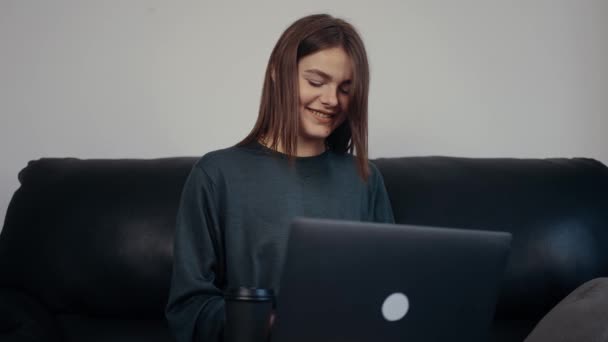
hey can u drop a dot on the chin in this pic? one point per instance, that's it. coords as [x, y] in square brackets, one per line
[314, 137]
[312, 129]
[316, 132]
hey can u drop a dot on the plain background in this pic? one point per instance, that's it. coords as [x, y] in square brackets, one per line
[147, 79]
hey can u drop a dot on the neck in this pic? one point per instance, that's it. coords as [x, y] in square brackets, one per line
[306, 148]
[310, 147]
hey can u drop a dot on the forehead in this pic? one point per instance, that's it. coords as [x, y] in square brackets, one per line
[333, 61]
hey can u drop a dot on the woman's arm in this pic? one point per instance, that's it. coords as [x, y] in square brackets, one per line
[381, 210]
[195, 310]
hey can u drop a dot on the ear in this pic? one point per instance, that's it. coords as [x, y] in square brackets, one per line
[272, 73]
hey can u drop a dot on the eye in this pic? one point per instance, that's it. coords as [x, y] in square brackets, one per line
[345, 91]
[315, 84]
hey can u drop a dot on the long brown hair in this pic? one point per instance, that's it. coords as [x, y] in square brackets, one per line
[278, 117]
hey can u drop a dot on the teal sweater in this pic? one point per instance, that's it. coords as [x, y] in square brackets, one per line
[233, 221]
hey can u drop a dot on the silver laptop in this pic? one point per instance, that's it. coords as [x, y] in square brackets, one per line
[349, 281]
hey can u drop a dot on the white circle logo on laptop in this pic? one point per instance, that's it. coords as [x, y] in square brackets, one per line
[395, 307]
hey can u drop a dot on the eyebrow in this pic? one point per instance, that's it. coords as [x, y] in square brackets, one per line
[323, 74]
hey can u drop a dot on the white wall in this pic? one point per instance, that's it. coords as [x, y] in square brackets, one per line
[145, 79]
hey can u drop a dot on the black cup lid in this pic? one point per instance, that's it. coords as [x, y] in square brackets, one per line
[249, 293]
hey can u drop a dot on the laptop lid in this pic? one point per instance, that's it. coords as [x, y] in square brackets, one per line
[362, 281]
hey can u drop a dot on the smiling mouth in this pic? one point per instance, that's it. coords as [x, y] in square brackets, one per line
[321, 115]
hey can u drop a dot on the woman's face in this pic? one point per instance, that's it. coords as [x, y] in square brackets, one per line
[324, 81]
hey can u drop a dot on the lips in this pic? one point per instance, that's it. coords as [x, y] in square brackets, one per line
[321, 116]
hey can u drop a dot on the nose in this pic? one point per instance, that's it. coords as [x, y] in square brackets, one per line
[329, 97]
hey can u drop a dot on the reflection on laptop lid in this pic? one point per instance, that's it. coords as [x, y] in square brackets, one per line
[363, 282]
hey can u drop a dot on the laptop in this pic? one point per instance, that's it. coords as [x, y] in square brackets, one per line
[346, 281]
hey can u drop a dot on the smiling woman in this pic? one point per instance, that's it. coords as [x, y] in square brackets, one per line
[306, 156]
[316, 85]
[323, 81]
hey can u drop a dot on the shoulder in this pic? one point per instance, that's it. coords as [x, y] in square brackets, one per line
[213, 158]
[376, 179]
[373, 170]
[349, 163]
[375, 176]
[211, 163]
[216, 163]
[349, 159]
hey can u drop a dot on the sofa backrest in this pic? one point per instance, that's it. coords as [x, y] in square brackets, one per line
[556, 209]
[96, 236]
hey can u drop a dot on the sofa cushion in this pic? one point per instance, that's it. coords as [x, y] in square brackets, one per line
[23, 318]
[581, 316]
[94, 236]
[77, 328]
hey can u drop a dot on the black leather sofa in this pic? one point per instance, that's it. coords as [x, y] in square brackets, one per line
[86, 248]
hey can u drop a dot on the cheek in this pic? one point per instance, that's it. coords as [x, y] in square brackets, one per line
[306, 94]
[344, 102]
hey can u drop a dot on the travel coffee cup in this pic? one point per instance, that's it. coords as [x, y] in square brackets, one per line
[248, 312]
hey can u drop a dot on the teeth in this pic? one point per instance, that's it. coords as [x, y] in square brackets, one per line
[319, 114]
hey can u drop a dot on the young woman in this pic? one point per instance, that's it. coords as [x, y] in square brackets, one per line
[306, 156]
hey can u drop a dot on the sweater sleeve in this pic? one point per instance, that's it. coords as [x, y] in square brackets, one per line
[381, 210]
[195, 310]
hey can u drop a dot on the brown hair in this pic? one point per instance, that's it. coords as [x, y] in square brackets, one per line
[278, 117]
